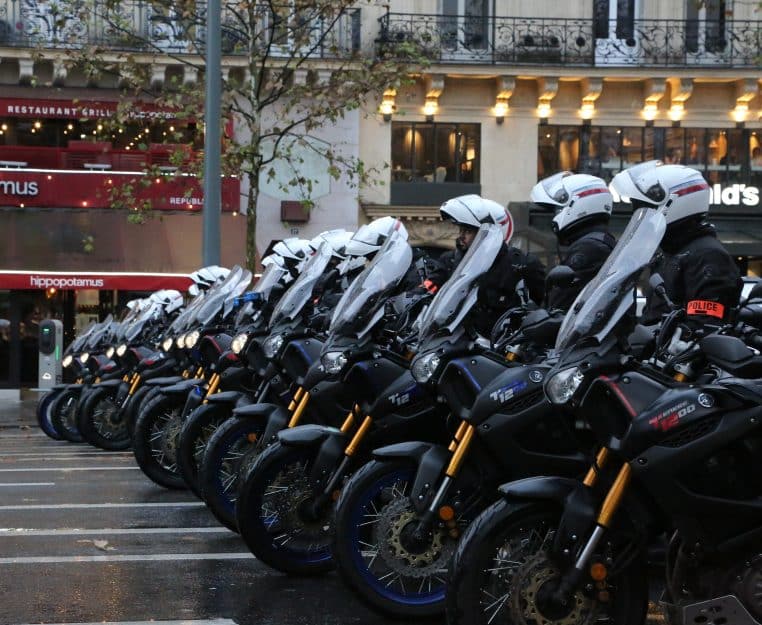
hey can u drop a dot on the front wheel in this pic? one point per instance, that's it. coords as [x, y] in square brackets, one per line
[101, 421]
[232, 447]
[197, 429]
[376, 547]
[275, 514]
[43, 414]
[63, 416]
[502, 573]
[155, 439]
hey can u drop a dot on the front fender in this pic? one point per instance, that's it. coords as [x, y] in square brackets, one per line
[181, 388]
[273, 416]
[165, 381]
[431, 460]
[226, 397]
[308, 435]
[115, 383]
[332, 443]
[551, 488]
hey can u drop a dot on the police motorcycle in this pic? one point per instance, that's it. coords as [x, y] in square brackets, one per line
[282, 359]
[84, 365]
[238, 382]
[399, 518]
[158, 423]
[101, 419]
[72, 351]
[286, 496]
[675, 455]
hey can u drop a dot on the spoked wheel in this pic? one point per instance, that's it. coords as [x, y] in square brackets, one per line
[502, 573]
[378, 550]
[101, 421]
[44, 416]
[232, 448]
[197, 429]
[63, 416]
[155, 441]
[276, 516]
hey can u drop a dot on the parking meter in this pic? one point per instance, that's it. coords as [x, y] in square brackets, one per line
[51, 353]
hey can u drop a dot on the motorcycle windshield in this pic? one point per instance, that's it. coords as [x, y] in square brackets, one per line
[271, 276]
[99, 332]
[236, 292]
[216, 297]
[608, 296]
[82, 338]
[451, 301]
[366, 294]
[136, 327]
[292, 302]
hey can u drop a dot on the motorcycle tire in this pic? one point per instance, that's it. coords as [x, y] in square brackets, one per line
[142, 395]
[197, 429]
[155, 440]
[232, 446]
[63, 416]
[491, 563]
[369, 538]
[101, 422]
[43, 414]
[274, 515]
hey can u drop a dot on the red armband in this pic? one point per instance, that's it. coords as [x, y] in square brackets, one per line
[705, 307]
[430, 286]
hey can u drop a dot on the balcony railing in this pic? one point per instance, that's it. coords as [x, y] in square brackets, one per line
[575, 42]
[137, 25]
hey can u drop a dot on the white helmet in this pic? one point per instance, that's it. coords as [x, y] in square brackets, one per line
[169, 299]
[337, 239]
[293, 251]
[207, 276]
[370, 237]
[473, 211]
[682, 191]
[575, 197]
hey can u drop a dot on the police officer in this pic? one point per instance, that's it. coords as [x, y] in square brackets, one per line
[699, 274]
[498, 287]
[583, 207]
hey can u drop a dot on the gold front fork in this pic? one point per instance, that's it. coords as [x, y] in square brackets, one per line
[614, 496]
[295, 401]
[296, 417]
[600, 462]
[135, 384]
[460, 450]
[214, 383]
[458, 436]
[357, 438]
[350, 420]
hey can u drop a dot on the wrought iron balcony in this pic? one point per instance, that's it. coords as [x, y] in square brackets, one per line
[574, 42]
[142, 25]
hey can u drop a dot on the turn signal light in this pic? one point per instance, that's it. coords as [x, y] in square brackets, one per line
[598, 572]
[446, 513]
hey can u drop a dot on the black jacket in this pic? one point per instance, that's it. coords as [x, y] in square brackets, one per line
[585, 252]
[698, 274]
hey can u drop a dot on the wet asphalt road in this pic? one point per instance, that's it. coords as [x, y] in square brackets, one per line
[85, 537]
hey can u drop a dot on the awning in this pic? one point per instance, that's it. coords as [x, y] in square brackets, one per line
[69, 281]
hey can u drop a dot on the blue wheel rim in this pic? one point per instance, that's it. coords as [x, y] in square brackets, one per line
[379, 586]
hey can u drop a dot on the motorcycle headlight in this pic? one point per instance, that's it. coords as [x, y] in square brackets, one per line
[334, 362]
[180, 342]
[110, 352]
[67, 360]
[166, 344]
[83, 358]
[272, 346]
[239, 342]
[121, 350]
[192, 338]
[425, 367]
[562, 386]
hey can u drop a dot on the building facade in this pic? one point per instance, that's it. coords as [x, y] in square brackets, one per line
[514, 91]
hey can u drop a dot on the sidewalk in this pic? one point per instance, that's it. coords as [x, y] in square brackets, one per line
[19, 414]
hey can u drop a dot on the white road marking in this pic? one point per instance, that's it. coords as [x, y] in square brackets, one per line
[29, 484]
[20, 531]
[64, 453]
[155, 557]
[129, 468]
[65, 506]
[214, 621]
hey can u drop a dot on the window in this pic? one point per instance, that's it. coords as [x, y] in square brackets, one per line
[723, 155]
[439, 153]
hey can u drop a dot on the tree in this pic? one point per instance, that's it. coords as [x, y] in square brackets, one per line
[293, 67]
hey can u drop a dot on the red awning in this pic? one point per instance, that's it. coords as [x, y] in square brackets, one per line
[69, 281]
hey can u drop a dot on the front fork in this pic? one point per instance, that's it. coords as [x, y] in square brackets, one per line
[571, 579]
